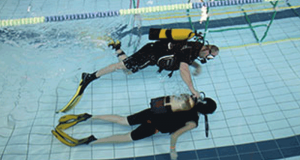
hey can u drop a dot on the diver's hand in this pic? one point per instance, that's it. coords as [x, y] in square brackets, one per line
[173, 154]
[196, 94]
[201, 96]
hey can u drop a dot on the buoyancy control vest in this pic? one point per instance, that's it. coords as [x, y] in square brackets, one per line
[176, 40]
[158, 105]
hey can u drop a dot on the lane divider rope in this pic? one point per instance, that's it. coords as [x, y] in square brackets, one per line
[185, 6]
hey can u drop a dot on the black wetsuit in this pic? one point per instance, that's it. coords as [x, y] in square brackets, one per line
[165, 123]
[151, 53]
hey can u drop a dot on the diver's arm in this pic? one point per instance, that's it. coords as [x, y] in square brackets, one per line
[186, 77]
[174, 136]
[197, 68]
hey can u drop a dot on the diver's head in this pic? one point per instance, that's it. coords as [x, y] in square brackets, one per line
[205, 106]
[208, 52]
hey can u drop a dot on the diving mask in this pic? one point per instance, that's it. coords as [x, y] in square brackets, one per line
[210, 56]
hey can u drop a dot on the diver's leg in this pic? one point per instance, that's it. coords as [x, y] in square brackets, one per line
[137, 118]
[120, 54]
[112, 118]
[110, 68]
[87, 78]
[120, 138]
[116, 45]
[143, 131]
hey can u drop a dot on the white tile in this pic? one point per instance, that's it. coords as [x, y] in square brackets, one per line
[261, 93]
[251, 111]
[161, 139]
[294, 121]
[162, 148]
[240, 130]
[282, 133]
[224, 132]
[269, 108]
[258, 127]
[223, 141]
[121, 110]
[124, 153]
[8, 157]
[275, 82]
[246, 104]
[39, 149]
[263, 136]
[218, 115]
[238, 83]
[278, 124]
[284, 98]
[244, 97]
[242, 90]
[241, 139]
[274, 116]
[103, 154]
[265, 101]
[255, 119]
[289, 105]
[203, 144]
[258, 87]
[240, 121]
[227, 99]
[81, 155]
[187, 136]
[143, 151]
[185, 146]
[36, 156]
[296, 129]
[58, 147]
[218, 124]
[146, 142]
[233, 114]
[16, 149]
[17, 139]
[103, 146]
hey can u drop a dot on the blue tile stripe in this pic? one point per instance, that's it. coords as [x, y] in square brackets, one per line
[265, 150]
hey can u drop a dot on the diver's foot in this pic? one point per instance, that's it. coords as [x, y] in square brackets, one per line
[90, 139]
[84, 117]
[86, 80]
[115, 44]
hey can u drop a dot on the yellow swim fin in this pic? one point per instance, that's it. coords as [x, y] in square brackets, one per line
[70, 141]
[68, 118]
[66, 136]
[68, 121]
[62, 139]
[74, 100]
[115, 44]
[66, 125]
[84, 82]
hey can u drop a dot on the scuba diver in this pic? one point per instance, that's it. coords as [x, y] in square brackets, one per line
[171, 52]
[169, 114]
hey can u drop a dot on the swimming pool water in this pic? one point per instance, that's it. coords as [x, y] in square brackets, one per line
[256, 86]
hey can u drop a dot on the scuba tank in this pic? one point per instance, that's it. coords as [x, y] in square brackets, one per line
[171, 34]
